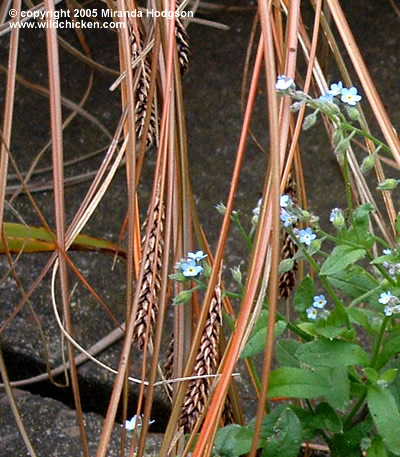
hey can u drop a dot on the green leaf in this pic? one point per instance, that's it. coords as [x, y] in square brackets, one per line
[326, 418]
[389, 376]
[38, 239]
[286, 265]
[285, 351]
[308, 327]
[386, 416]
[331, 383]
[286, 440]
[362, 317]
[371, 374]
[314, 247]
[348, 444]
[233, 441]
[304, 296]
[256, 343]
[390, 347]
[354, 282]
[338, 384]
[297, 383]
[362, 212]
[377, 448]
[335, 353]
[331, 332]
[341, 257]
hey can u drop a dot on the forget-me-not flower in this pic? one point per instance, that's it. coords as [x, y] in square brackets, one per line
[196, 256]
[388, 311]
[327, 97]
[191, 269]
[319, 301]
[307, 236]
[287, 218]
[135, 422]
[285, 201]
[311, 313]
[335, 89]
[350, 96]
[284, 83]
[385, 298]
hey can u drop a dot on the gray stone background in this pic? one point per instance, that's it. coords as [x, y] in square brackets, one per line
[212, 99]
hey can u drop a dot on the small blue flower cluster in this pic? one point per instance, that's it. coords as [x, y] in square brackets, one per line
[347, 95]
[393, 268]
[192, 266]
[392, 303]
[290, 215]
[318, 305]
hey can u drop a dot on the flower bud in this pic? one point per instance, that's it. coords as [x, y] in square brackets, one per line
[296, 106]
[237, 274]
[388, 184]
[368, 163]
[182, 297]
[337, 218]
[207, 270]
[178, 276]
[309, 121]
[353, 113]
[221, 208]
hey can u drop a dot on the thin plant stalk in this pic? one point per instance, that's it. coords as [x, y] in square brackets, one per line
[57, 155]
[274, 127]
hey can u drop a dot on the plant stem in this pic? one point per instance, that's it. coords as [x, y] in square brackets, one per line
[236, 220]
[379, 341]
[354, 411]
[362, 297]
[348, 192]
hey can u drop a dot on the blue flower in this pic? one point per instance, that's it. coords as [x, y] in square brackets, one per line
[284, 83]
[350, 96]
[387, 252]
[287, 218]
[285, 201]
[319, 301]
[388, 311]
[335, 89]
[337, 218]
[334, 213]
[327, 97]
[191, 269]
[307, 236]
[385, 297]
[196, 256]
[311, 313]
[135, 422]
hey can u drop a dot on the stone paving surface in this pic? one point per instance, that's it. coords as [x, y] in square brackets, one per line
[53, 431]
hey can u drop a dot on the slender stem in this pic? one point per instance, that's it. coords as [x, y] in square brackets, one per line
[379, 341]
[247, 239]
[294, 328]
[363, 297]
[254, 373]
[377, 142]
[354, 411]
[349, 199]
